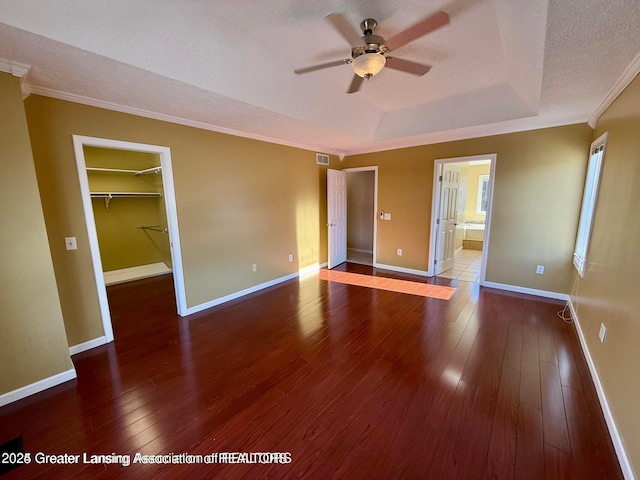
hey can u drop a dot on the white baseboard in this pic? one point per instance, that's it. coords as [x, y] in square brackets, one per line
[311, 270]
[82, 347]
[241, 293]
[135, 273]
[39, 386]
[528, 291]
[304, 272]
[623, 459]
[393, 268]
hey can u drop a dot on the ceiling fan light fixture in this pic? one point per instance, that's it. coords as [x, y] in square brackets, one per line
[368, 64]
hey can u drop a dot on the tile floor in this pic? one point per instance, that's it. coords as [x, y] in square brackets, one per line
[466, 266]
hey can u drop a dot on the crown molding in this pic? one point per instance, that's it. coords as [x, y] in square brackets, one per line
[478, 131]
[16, 69]
[92, 102]
[623, 82]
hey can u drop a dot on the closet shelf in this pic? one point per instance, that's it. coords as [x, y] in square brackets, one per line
[110, 195]
[125, 194]
[147, 171]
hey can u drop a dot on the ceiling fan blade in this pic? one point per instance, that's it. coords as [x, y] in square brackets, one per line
[313, 68]
[356, 83]
[344, 28]
[407, 66]
[429, 24]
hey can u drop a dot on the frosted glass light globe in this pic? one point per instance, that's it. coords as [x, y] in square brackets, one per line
[368, 64]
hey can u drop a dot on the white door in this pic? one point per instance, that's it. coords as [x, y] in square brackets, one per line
[337, 216]
[446, 222]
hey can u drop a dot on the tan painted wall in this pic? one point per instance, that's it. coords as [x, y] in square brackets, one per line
[32, 338]
[608, 292]
[122, 243]
[239, 202]
[473, 177]
[538, 188]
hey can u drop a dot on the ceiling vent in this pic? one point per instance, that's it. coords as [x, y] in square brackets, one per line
[322, 159]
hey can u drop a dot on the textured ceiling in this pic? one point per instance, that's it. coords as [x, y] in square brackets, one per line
[500, 65]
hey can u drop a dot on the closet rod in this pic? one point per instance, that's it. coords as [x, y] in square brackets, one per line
[150, 171]
[155, 228]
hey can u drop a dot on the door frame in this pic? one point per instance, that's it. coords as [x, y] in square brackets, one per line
[435, 208]
[374, 169]
[79, 142]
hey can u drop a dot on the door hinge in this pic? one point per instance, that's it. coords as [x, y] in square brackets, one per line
[435, 261]
[437, 221]
[440, 178]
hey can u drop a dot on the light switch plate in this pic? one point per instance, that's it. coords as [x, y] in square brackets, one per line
[387, 216]
[70, 243]
[602, 333]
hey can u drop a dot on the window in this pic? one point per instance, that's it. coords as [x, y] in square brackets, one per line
[483, 190]
[589, 198]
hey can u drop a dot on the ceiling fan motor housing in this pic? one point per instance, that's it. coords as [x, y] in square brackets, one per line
[367, 26]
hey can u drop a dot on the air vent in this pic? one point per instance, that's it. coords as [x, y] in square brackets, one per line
[322, 159]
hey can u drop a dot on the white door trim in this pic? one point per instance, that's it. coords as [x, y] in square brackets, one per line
[435, 208]
[373, 169]
[79, 142]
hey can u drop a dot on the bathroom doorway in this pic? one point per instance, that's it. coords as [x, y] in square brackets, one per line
[461, 213]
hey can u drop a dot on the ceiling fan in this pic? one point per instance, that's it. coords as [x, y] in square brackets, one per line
[368, 59]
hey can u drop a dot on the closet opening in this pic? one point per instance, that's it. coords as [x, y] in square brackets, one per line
[361, 215]
[130, 211]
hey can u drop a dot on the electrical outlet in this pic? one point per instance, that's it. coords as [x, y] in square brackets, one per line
[254, 267]
[70, 243]
[602, 333]
[540, 269]
[399, 252]
[290, 258]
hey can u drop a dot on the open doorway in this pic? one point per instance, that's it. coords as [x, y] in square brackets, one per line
[148, 166]
[461, 213]
[352, 202]
[361, 212]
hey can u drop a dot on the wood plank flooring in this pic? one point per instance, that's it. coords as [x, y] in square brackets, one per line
[353, 382]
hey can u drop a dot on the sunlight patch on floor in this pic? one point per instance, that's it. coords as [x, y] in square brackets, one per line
[390, 284]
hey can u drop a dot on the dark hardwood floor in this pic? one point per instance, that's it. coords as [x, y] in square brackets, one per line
[353, 382]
